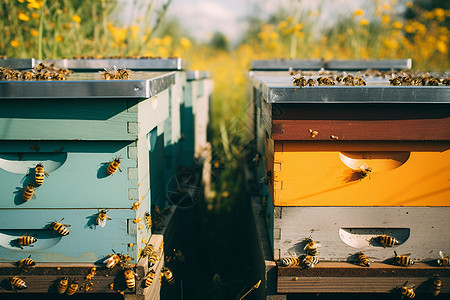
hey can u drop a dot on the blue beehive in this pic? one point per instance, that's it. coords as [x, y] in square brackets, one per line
[75, 128]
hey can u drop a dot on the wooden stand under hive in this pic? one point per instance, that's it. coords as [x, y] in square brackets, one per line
[350, 167]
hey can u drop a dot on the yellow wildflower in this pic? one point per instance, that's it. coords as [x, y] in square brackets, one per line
[409, 28]
[299, 34]
[298, 27]
[59, 38]
[21, 1]
[364, 22]
[163, 51]
[289, 19]
[409, 4]
[156, 41]
[34, 15]
[23, 17]
[273, 35]
[167, 40]
[442, 47]
[282, 25]
[397, 25]
[14, 43]
[35, 4]
[34, 32]
[76, 18]
[385, 19]
[185, 43]
[358, 12]
[440, 14]
[386, 6]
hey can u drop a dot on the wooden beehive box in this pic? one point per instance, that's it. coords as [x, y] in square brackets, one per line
[314, 142]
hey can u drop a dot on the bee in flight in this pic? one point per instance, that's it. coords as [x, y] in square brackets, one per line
[311, 247]
[291, 261]
[444, 260]
[130, 278]
[17, 283]
[73, 287]
[25, 264]
[113, 166]
[168, 275]
[149, 278]
[101, 217]
[60, 228]
[403, 260]
[39, 174]
[28, 192]
[436, 285]
[363, 260]
[62, 285]
[26, 240]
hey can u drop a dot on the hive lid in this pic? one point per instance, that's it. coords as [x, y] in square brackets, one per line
[89, 85]
[18, 63]
[138, 64]
[277, 88]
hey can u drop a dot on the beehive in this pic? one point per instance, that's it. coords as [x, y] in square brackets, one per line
[75, 128]
[315, 142]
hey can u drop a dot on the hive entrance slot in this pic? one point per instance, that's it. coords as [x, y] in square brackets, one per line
[378, 161]
[22, 163]
[367, 237]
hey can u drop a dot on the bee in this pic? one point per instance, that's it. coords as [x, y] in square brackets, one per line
[446, 81]
[73, 287]
[125, 261]
[179, 255]
[403, 260]
[387, 241]
[311, 82]
[168, 275]
[148, 250]
[18, 283]
[433, 82]
[130, 279]
[25, 240]
[310, 261]
[363, 260]
[407, 292]
[347, 79]
[135, 205]
[28, 192]
[149, 278]
[299, 81]
[112, 260]
[364, 171]
[395, 81]
[62, 285]
[443, 261]
[59, 76]
[313, 133]
[26, 75]
[113, 166]
[359, 81]
[153, 258]
[325, 81]
[311, 247]
[60, 228]
[124, 73]
[291, 261]
[148, 219]
[101, 217]
[39, 174]
[9, 74]
[26, 263]
[436, 286]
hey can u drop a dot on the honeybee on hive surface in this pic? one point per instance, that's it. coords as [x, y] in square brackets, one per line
[62, 285]
[28, 192]
[311, 247]
[347, 79]
[148, 219]
[446, 81]
[387, 241]
[113, 166]
[364, 171]
[18, 283]
[299, 81]
[124, 73]
[111, 260]
[363, 259]
[60, 228]
[403, 260]
[73, 287]
[310, 261]
[168, 275]
[153, 258]
[39, 174]
[325, 81]
[25, 264]
[433, 81]
[408, 292]
[359, 81]
[101, 217]
[436, 285]
[290, 261]
[26, 240]
[444, 260]
[148, 250]
[130, 279]
[311, 82]
[26, 75]
[125, 261]
[149, 278]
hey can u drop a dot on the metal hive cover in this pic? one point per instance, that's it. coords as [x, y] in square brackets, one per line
[89, 85]
[139, 64]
